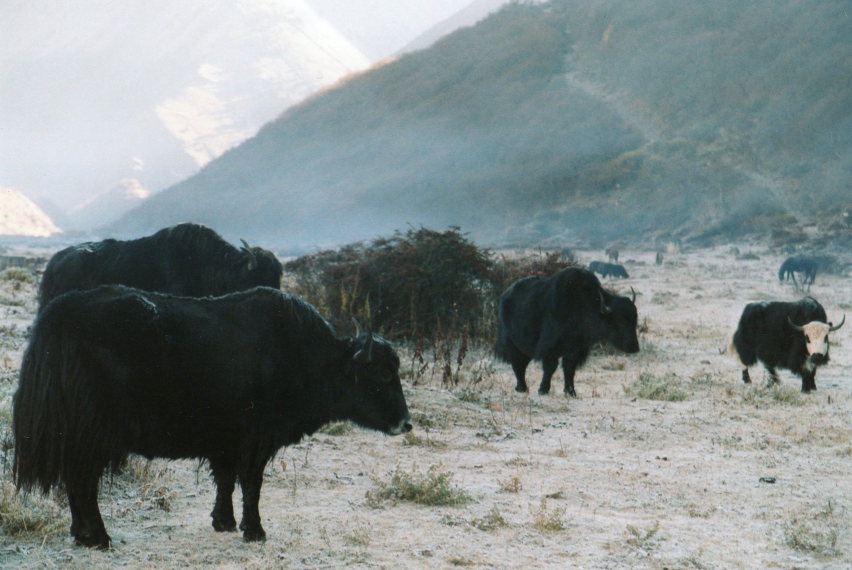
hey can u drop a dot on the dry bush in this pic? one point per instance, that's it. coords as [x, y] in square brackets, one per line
[650, 387]
[434, 488]
[32, 515]
[548, 520]
[492, 520]
[422, 283]
[815, 532]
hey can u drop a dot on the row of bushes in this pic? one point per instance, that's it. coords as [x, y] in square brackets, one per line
[418, 284]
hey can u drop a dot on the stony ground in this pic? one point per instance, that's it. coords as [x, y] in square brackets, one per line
[666, 460]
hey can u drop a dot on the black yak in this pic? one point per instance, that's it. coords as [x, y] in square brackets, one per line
[561, 316]
[608, 269]
[793, 336]
[112, 371]
[807, 266]
[186, 259]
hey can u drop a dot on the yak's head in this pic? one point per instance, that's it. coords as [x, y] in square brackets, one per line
[378, 401]
[621, 318]
[816, 339]
[260, 267]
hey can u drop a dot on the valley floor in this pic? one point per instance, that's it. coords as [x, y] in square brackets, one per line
[665, 460]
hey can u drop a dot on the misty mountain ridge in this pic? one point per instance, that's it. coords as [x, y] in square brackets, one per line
[107, 206]
[641, 120]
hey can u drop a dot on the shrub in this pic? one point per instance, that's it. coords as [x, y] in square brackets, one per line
[409, 285]
[415, 285]
[435, 488]
[649, 387]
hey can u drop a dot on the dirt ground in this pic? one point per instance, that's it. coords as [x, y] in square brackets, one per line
[665, 460]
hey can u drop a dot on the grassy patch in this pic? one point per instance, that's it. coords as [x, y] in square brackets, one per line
[337, 428]
[765, 397]
[643, 538]
[18, 274]
[414, 440]
[492, 520]
[546, 519]
[32, 515]
[434, 488]
[511, 485]
[651, 387]
[816, 532]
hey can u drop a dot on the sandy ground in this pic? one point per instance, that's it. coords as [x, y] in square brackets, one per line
[611, 479]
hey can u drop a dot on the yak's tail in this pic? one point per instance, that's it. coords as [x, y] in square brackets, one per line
[62, 436]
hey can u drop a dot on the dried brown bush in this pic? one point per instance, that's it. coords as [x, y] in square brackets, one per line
[414, 285]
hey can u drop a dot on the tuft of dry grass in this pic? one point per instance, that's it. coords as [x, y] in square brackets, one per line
[814, 532]
[546, 519]
[30, 515]
[650, 387]
[337, 428]
[491, 520]
[434, 488]
[643, 538]
[511, 485]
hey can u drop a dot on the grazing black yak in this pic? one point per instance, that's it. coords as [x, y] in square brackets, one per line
[186, 259]
[561, 316]
[113, 371]
[807, 266]
[608, 269]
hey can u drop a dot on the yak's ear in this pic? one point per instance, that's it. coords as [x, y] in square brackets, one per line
[252, 258]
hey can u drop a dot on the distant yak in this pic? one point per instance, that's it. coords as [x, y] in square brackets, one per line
[114, 371]
[793, 336]
[805, 265]
[561, 316]
[608, 269]
[186, 259]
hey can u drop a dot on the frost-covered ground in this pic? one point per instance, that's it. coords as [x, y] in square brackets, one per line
[612, 479]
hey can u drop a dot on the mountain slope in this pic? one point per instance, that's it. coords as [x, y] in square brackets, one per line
[639, 119]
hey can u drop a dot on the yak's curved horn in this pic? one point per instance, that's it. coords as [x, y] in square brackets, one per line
[365, 355]
[794, 325]
[252, 257]
[605, 310]
[633, 293]
[834, 328]
[357, 326]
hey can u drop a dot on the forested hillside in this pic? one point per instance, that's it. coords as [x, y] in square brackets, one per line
[568, 120]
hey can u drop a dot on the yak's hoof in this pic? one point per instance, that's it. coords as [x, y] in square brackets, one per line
[99, 541]
[543, 392]
[571, 393]
[254, 535]
[220, 525]
[521, 389]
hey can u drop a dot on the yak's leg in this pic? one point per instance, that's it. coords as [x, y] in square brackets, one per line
[570, 362]
[251, 479]
[225, 477]
[520, 361]
[773, 375]
[87, 526]
[548, 367]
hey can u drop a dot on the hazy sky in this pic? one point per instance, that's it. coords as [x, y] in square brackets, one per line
[93, 92]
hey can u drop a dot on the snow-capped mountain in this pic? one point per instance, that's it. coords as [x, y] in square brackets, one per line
[21, 217]
[95, 92]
